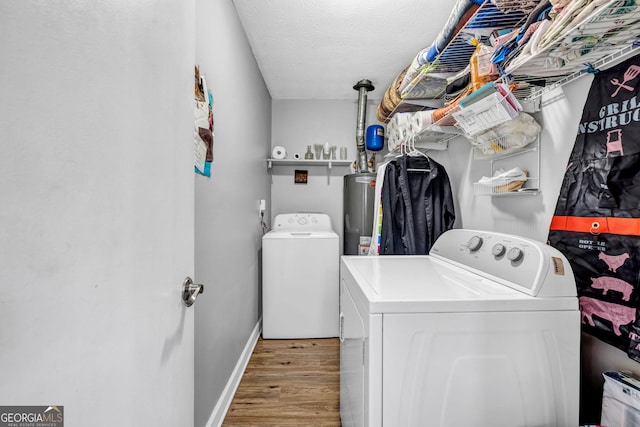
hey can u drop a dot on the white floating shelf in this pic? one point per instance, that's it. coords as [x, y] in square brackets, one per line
[301, 162]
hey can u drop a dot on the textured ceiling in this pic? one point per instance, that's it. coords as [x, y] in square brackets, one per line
[318, 49]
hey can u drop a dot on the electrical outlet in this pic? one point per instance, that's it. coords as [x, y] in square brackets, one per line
[262, 208]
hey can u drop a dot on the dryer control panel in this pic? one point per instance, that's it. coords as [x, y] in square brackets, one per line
[518, 262]
[302, 222]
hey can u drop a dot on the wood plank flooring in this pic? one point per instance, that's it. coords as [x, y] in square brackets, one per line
[289, 383]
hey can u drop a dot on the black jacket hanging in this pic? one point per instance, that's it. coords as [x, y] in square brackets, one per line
[417, 206]
[597, 218]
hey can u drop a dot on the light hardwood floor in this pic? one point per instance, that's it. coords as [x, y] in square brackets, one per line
[289, 383]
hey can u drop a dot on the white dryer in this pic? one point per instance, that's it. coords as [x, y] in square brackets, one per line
[300, 277]
[483, 331]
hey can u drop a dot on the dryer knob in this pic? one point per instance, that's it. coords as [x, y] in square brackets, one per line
[474, 243]
[302, 220]
[498, 249]
[515, 254]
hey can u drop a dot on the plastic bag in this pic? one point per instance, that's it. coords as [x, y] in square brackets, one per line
[483, 70]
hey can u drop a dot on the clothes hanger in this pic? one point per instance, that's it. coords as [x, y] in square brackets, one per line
[408, 148]
[413, 151]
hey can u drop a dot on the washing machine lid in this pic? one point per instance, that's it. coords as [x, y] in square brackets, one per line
[299, 234]
[423, 284]
[301, 226]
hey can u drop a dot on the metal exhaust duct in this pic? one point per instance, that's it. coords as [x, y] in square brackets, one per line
[363, 86]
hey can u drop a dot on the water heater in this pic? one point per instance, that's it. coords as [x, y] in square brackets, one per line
[359, 197]
[359, 188]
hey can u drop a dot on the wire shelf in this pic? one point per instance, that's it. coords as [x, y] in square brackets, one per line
[506, 187]
[606, 35]
[457, 53]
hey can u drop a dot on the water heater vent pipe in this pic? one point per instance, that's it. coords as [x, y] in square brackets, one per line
[363, 86]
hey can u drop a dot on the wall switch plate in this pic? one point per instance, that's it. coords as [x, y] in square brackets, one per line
[262, 208]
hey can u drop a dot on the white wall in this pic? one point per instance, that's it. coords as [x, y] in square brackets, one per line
[525, 215]
[297, 124]
[228, 236]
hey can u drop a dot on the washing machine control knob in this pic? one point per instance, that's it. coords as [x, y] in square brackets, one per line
[498, 249]
[302, 220]
[474, 243]
[515, 254]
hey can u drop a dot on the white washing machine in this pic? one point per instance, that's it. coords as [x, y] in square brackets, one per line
[300, 277]
[483, 331]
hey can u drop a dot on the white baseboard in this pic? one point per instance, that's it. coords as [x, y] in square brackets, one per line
[221, 408]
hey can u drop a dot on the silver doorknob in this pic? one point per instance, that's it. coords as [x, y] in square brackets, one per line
[190, 291]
